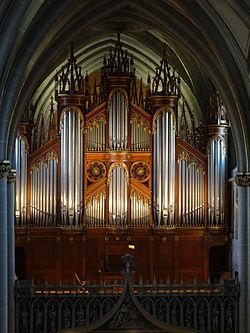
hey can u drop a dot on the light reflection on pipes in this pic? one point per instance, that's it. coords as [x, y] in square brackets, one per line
[216, 181]
[118, 192]
[191, 191]
[118, 120]
[71, 167]
[21, 180]
[164, 169]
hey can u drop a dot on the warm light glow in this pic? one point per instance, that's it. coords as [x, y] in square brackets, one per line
[131, 246]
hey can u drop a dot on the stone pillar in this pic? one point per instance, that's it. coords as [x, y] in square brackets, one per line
[4, 170]
[11, 250]
[241, 249]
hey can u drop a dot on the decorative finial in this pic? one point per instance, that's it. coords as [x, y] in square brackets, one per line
[128, 260]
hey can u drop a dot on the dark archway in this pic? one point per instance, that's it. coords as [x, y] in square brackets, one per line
[20, 263]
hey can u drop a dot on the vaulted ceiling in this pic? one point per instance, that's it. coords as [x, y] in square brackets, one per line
[36, 36]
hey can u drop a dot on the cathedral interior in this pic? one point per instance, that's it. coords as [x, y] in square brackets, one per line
[125, 181]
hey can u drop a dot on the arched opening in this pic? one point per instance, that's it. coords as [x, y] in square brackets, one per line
[219, 263]
[20, 263]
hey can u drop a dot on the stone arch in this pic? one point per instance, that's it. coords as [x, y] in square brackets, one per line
[226, 88]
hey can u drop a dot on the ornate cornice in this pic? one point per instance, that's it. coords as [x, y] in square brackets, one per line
[242, 179]
[5, 168]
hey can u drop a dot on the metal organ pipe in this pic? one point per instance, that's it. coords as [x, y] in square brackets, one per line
[43, 189]
[118, 121]
[71, 166]
[95, 210]
[164, 168]
[140, 213]
[140, 135]
[216, 181]
[21, 180]
[118, 196]
[191, 191]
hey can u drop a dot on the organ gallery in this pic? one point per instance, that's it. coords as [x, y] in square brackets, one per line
[117, 165]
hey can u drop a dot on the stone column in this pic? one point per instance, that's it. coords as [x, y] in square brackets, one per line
[4, 170]
[241, 248]
[11, 250]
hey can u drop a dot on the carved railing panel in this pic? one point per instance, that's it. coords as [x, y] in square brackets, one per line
[205, 307]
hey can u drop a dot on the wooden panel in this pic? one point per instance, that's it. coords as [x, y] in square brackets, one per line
[190, 254]
[91, 258]
[142, 256]
[43, 255]
[164, 259]
[57, 255]
[70, 260]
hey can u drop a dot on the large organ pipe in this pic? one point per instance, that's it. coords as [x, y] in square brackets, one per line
[216, 181]
[164, 168]
[159, 180]
[180, 191]
[118, 196]
[44, 192]
[71, 166]
[184, 190]
[21, 180]
[172, 168]
[118, 127]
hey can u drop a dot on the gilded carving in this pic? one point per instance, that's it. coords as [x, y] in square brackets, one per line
[140, 171]
[95, 171]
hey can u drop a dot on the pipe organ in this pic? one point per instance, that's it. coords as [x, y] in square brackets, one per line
[118, 167]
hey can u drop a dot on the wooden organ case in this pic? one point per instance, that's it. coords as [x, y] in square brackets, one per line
[120, 170]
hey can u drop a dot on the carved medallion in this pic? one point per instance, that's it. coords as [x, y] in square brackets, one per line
[95, 171]
[140, 171]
